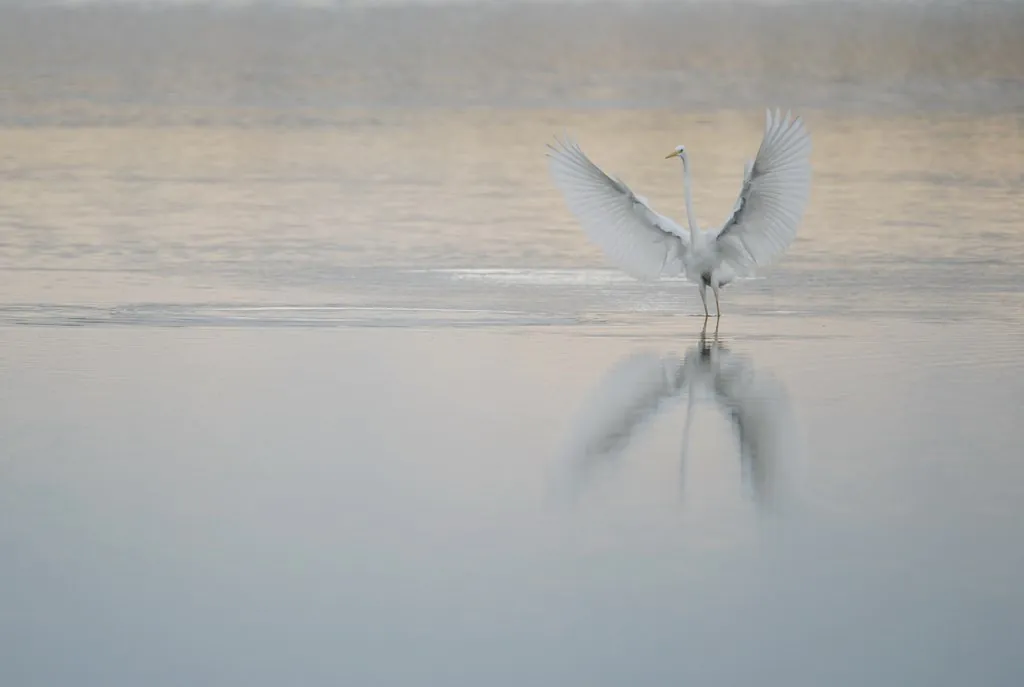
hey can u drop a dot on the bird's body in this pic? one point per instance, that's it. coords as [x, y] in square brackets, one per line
[648, 245]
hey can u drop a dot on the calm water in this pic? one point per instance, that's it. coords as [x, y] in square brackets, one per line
[300, 389]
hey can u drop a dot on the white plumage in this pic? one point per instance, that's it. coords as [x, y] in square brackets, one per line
[647, 245]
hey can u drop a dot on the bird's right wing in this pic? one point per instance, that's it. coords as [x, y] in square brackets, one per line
[773, 198]
[638, 240]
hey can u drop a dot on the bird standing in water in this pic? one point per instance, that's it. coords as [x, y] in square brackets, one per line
[648, 245]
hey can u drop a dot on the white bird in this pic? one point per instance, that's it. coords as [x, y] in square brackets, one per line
[648, 245]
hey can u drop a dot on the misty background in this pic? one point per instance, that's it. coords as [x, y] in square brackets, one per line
[172, 62]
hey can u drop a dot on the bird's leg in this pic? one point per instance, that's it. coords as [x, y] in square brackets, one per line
[718, 309]
[717, 322]
[704, 300]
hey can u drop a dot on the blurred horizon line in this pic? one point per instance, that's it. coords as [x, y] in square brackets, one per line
[86, 61]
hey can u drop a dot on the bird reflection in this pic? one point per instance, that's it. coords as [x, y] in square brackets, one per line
[634, 391]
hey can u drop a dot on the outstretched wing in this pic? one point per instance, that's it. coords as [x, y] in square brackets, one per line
[638, 240]
[773, 198]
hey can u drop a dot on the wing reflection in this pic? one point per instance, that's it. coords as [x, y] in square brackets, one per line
[637, 388]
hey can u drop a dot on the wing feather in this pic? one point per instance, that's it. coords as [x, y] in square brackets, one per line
[638, 240]
[773, 198]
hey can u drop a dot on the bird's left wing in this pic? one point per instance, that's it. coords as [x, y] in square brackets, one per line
[773, 198]
[638, 240]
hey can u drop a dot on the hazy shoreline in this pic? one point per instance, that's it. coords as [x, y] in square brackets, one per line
[58, 63]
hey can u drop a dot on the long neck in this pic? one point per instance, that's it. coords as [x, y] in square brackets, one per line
[689, 200]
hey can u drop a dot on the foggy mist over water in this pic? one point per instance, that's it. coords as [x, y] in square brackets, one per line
[87, 63]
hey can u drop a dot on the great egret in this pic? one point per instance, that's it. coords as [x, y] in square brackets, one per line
[638, 387]
[648, 245]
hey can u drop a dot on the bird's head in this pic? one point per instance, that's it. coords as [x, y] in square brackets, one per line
[679, 152]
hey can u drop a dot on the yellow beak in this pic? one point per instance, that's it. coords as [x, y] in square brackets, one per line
[674, 153]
